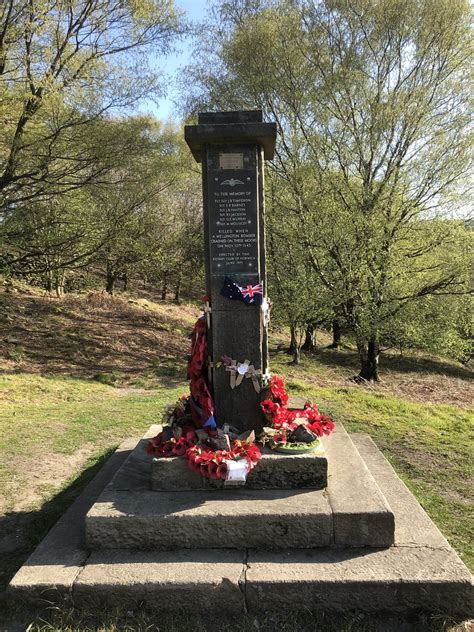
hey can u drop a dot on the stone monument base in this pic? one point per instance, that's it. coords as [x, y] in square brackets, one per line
[273, 471]
[346, 554]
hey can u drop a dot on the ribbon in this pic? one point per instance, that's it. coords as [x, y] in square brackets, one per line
[254, 375]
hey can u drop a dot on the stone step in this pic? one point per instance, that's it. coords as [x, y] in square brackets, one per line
[236, 518]
[395, 579]
[361, 513]
[351, 512]
[204, 581]
[413, 526]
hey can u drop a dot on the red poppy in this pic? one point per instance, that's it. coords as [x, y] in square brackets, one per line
[222, 471]
[268, 407]
[280, 418]
[277, 389]
[312, 413]
[179, 449]
[213, 470]
[316, 427]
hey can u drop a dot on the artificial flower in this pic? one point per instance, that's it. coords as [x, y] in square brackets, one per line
[277, 389]
[268, 407]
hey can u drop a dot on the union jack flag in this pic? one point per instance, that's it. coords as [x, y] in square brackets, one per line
[250, 290]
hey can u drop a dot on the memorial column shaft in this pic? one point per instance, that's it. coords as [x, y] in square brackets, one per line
[232, 147]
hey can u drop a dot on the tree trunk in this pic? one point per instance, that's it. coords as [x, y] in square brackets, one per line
[177, 292]
[296, 355]
[125, 281]
[49, 281]
[369, 361]
[310, 338]
[164, 288]
[293, 341]
[336, 334]
[110, 282]
[59, 284]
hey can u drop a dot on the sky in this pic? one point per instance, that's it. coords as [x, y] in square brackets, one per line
[196, 11]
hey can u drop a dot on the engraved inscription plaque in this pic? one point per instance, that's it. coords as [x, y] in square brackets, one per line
[233, 222]
[231, 161]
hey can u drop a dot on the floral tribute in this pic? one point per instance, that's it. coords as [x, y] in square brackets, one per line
[201, 406]
[181, 438]
[215, 464]
[292, 426]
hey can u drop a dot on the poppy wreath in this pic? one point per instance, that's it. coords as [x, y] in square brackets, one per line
[284, 420]
[203, 408]
[176, 446]
[212, 463]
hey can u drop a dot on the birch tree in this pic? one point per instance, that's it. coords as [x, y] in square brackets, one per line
[373, 113]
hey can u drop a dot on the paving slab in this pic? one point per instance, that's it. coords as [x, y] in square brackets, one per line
[191, 581]
[236, 518]
[273, 471]
[413, 526]
[399, 579]
[361, 513]
[51, 569]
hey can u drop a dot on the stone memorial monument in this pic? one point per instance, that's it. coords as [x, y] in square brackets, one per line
[232, 147]
[330, 530]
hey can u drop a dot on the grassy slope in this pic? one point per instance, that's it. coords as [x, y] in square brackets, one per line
[57, 424]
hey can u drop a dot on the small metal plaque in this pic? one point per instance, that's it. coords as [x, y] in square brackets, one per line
[231, 161]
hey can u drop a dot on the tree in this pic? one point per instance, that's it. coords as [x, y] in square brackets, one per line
[63, 65]
[48, 239]
[55, 234]
[174, 245]
[132, 202]
[299, 298]
[373, 118]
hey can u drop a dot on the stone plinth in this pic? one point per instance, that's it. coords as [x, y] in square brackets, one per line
[129, 515]
[421, 572]
[273, 471]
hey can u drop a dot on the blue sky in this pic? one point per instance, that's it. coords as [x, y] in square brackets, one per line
[195, 10]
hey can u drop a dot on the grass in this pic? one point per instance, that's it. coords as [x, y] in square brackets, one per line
[69, 399]
[44, 406]
[69, 620]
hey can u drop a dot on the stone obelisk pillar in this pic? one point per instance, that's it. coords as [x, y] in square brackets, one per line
[232, 147]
